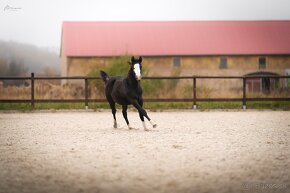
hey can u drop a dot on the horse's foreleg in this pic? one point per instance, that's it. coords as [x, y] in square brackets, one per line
[113, 107]
[142, 119]
[140, 101]
[142, 114]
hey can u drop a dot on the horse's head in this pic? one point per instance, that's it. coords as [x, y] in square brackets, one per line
[136, 67]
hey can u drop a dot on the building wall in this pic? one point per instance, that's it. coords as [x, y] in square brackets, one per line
[82, 66]
[190, 65]
[237, 65]
[64, 64]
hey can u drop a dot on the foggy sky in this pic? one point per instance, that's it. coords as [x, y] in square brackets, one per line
[39, 22]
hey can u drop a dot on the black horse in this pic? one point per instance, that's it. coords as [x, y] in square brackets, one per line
[126, 91]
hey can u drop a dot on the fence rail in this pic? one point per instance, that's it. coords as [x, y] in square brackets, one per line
[194, 98]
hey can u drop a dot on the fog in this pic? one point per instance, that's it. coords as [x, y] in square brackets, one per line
[39, 22]
[18, 59]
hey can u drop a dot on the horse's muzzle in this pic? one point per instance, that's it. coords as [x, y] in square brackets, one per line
[138, 77]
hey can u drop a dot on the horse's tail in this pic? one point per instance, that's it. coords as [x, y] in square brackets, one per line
[104, 76]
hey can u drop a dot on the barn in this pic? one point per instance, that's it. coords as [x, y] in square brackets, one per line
[235, 48]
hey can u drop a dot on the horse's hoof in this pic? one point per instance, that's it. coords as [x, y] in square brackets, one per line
[129, 127]
[154, 125]
[132, 128]
[146, 129]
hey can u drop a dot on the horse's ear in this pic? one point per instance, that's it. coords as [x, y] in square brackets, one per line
[132, 59]
[140, 59]
[130, 63]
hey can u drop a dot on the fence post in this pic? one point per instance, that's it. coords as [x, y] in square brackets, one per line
[86, 94]
[244, 93]
[32, 90]
[194, 92]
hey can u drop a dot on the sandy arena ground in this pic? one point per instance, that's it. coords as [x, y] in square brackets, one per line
[188, 152]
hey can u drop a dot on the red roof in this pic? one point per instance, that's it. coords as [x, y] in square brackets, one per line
[176, 38]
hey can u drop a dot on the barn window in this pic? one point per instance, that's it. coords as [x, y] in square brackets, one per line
[262, 62]
[176, 61]
[223, 63]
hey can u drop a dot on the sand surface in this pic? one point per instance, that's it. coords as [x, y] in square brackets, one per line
[188, 152]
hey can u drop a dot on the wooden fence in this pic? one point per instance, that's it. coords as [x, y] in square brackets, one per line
[193, 99]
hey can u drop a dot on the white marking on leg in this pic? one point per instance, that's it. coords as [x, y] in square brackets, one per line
[154, 125]
[144, 126]
[115, 124]
[129, 127]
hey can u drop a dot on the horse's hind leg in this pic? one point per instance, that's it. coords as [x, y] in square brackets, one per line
[113, 107]
[124, 111]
